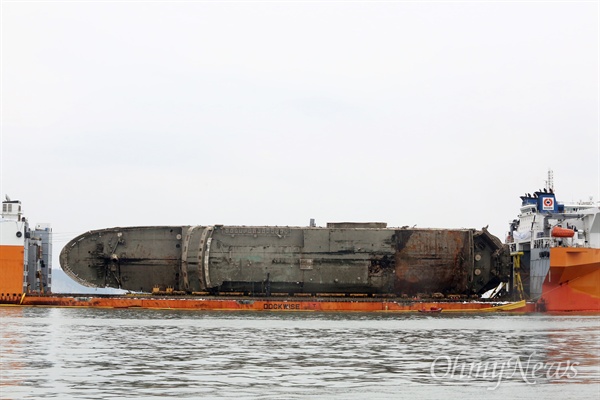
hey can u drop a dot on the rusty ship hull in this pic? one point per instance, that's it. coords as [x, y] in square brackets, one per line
[343, 258]
[345, 267]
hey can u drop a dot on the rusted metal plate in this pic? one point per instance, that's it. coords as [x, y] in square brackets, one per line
[430, 261]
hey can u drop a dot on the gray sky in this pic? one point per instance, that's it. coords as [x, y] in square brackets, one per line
[439, 114]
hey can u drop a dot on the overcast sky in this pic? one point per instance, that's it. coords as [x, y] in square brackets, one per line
[439, 114]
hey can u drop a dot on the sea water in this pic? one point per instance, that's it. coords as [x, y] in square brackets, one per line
[141, 354]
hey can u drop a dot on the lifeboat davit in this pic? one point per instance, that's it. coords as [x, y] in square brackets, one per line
[557, 231]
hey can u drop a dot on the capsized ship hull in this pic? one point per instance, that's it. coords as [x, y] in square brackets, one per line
[343, 258]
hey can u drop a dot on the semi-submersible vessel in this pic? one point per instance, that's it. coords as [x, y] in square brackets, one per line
[551, 258]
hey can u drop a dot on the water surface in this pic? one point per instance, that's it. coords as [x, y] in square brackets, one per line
[104, 353]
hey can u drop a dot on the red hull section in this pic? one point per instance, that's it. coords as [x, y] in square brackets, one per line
[573, 283]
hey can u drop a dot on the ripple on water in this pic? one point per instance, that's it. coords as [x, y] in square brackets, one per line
[86, 353]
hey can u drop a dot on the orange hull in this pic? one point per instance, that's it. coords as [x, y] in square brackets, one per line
[573, 282]
[250, 304]
[11, 271]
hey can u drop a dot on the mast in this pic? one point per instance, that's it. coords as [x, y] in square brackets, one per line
[550, 181]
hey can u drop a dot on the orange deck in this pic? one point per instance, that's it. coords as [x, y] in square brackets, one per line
[262, 304]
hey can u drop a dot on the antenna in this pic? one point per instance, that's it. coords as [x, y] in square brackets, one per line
[550, 181]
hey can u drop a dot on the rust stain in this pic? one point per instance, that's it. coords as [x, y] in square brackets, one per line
[430, 261]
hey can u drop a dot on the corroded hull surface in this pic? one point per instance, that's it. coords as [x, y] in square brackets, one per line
[269, 260]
